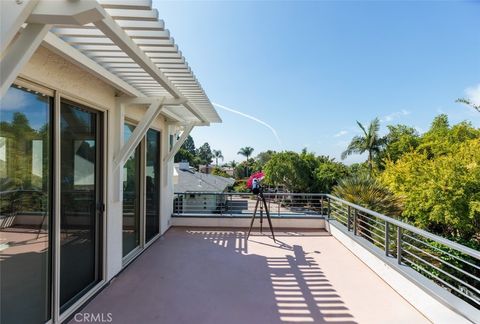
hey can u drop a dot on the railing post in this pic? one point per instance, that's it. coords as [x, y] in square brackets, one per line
[387, 237]
[355, 222]
[328, 208]
[399, 245]
[321, 205]
[349, 219]
[224, 203]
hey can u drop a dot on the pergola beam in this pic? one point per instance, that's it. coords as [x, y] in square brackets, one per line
[19, 53]
[58, 46]
[148, 118]
[179, 143]
[13, 15]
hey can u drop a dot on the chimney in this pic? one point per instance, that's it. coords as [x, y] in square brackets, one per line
[184, 166]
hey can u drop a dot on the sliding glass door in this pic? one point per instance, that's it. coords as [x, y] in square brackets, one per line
[25, 207]
[131, 197]
[152, 184]
[81, 201]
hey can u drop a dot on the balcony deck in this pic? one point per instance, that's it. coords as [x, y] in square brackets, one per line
[197, 275]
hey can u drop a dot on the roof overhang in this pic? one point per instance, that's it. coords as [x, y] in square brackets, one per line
[124, 44]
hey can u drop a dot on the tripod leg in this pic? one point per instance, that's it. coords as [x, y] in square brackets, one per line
[253, 218]
[269, 219]
[261, 218]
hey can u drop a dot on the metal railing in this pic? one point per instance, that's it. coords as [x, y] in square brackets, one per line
[227, 204]
[450, 265]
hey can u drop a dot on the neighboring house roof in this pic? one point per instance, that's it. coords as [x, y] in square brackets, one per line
[193, 181]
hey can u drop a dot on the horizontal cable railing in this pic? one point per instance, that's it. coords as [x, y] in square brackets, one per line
[228, 204]
[452, 266]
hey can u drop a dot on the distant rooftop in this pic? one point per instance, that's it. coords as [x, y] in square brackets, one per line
[189, 180]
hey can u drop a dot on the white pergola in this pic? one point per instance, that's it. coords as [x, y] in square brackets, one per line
[122, 43]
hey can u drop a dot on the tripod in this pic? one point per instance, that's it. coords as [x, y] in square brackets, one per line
[261, 199]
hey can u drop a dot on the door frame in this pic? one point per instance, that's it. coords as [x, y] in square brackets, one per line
[132, 255]
[102, 114]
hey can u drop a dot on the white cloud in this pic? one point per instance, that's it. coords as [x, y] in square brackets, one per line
[473, 94]
[341, 133]
[395, 115]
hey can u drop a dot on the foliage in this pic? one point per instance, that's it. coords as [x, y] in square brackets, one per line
[186, 152]
[290, 170]
[217, 154]
[246, 151]
[370, 142]
[469, 103]
[399, 140]
[204, 153]
[244, 169]
[303, 172]
[240, 186]
[441, 194]
[263, 157]
[370, 193]
[219, 172]
[328, 174]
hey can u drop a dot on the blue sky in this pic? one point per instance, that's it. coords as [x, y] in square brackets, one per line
[311, 69]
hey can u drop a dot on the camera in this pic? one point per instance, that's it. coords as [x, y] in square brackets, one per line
[256, 186]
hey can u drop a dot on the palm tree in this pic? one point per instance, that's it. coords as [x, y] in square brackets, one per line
[366, 191]
[469, 103]
[233, 164]
[217, 154]
[246, 151]
[370, 142]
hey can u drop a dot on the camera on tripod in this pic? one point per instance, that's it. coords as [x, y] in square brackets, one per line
[254, 183]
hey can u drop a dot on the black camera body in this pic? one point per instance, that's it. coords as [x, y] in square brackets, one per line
[256, 187]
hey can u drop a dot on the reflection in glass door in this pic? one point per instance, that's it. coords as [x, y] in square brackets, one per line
[25, 208]
[152, 185]
[80, 201]
[131, 197]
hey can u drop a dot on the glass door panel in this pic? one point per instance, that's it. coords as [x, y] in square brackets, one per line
[80, 201]
[131, 197]
[152, 185]
[25, 209]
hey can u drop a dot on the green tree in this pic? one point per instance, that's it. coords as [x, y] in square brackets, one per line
[186, 152]
[219, 172]
[217, 154]
[246, 152]
[328, 173]
[369, 142]
[400, 139]
[441, 194]
[366, 191]
[204, 154]
[263, 157]
[289, 170]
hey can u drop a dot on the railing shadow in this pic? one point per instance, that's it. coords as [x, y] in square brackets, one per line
[299, 289]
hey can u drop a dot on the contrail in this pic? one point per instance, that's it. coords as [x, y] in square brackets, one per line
[252, 118]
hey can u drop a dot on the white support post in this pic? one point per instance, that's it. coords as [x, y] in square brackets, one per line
[179, 143]
[13, 15]
[19, 53]
[139, 132]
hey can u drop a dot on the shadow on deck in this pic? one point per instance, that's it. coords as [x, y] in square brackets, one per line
[195, 275]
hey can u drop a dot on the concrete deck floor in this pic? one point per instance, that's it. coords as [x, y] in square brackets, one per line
[194, 275]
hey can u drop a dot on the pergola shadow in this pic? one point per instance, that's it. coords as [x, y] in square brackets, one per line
[216, 276]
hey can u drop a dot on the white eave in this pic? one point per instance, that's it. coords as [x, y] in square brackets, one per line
[130, 49]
